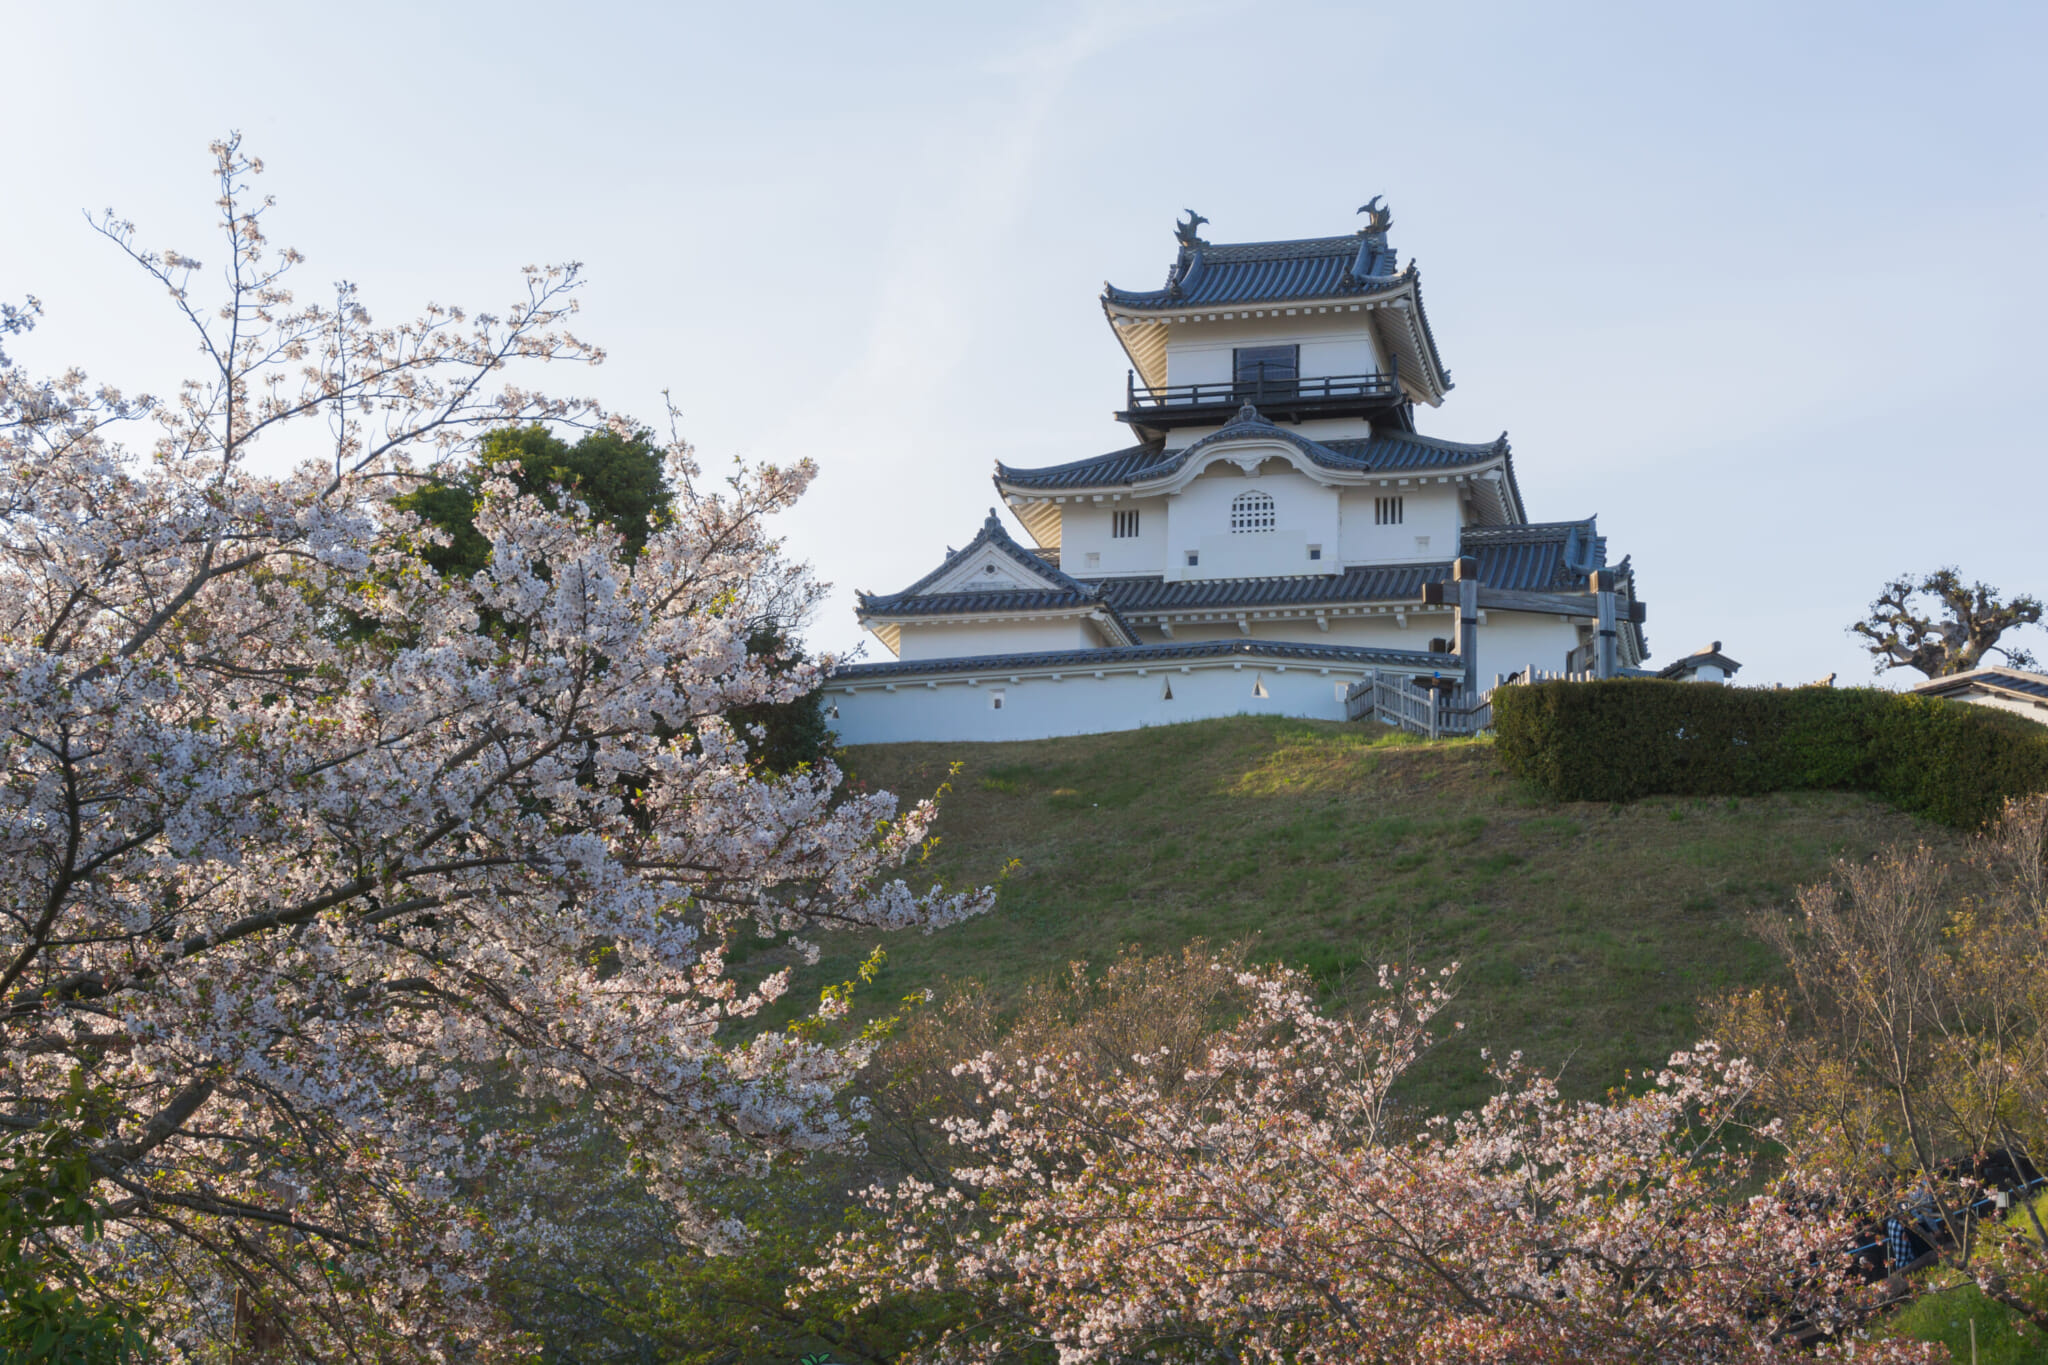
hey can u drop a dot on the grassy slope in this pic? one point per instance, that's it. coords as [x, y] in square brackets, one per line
[1588, 933]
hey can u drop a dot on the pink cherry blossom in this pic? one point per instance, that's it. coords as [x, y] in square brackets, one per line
[1269, 1201]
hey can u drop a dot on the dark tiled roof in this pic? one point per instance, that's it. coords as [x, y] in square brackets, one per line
[1392, 451]
[1528, 558]
[1283, 650]
[947, 603]
[1272, 272]
[1540, 556]
[1386, 583]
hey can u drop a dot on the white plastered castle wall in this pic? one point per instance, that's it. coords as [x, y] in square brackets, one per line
[1200, 352]
[1086, 529]
[1428, 529]
[958, 641]
[1514, 640]
[1198, 521]
[1079, 703]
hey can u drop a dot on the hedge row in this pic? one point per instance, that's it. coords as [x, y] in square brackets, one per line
[1627, 738]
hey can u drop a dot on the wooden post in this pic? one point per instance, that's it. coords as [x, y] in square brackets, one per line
[1604, 660]
[1466, 573]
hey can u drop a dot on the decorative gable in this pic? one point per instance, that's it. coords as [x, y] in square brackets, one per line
[991, 568]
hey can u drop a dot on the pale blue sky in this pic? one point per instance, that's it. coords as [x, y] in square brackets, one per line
[1761, 285]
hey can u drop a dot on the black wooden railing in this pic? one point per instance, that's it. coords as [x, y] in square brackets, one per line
[1260, 391]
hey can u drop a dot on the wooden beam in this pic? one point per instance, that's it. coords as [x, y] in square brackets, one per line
[1547, 603]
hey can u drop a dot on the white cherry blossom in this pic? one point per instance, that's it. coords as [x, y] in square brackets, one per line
[324, 870]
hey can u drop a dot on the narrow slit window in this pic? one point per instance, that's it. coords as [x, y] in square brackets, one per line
[995, 699]
[1386, 511]
[1123, 525]
[1166, 693]
[1251, 512]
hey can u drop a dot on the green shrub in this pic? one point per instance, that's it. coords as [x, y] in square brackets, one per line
[1634, 737]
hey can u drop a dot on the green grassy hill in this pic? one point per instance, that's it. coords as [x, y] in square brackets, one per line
[1588, 933]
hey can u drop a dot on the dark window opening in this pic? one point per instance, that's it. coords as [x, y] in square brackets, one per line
[1267, 371]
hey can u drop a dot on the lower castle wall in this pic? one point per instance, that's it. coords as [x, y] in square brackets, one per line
[1082, 704]
[1079, 703]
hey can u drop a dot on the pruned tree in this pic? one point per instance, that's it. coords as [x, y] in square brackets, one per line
[313, 932]
[1910, 1053]
[1940, 625]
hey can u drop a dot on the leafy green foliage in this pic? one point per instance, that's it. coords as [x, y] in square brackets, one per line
[1627, 738]
[1946, 1316]
[48, 1316]
[793, 734]
[618, 476]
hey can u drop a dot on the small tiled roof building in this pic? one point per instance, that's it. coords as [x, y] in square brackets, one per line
[2019, 690]
[1273, 530]
[1702, 665]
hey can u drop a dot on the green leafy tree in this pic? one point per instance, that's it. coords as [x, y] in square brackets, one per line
[46, 1201]
[1940, 625]
[618, 475]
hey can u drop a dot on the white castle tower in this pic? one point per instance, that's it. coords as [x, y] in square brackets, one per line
[1278, 530]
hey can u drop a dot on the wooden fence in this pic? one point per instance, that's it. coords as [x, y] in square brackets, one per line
[1398, 700]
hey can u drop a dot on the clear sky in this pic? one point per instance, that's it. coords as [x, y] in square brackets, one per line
[1763, 285]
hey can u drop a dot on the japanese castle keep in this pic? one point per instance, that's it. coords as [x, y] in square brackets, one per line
[1275, 530]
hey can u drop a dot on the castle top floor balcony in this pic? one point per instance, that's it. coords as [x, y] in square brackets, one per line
[1281, 396]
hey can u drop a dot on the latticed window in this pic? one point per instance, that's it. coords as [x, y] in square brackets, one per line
[1251, 512]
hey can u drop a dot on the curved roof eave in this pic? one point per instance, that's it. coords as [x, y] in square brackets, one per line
[1161, 476]
[1148, 302]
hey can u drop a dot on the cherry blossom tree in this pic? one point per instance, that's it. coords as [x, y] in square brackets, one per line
[1261, 1197]
[339, 887]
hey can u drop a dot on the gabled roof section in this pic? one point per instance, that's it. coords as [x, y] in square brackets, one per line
[1048, 581]
[1402, 452]
[1710, 657]
[1043, 589]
